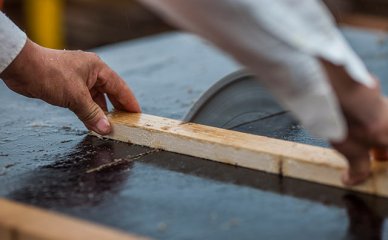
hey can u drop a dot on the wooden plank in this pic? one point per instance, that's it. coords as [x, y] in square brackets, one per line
[22, 222]
[285, 158]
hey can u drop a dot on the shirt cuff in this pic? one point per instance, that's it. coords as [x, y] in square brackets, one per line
[12, 41]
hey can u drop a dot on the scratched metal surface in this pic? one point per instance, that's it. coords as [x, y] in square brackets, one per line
[46, 159]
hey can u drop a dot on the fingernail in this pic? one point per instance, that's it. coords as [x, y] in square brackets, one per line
[103, 126]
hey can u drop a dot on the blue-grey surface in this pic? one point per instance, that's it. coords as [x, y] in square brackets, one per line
[47, 160]
[168, 73]
[372, 47]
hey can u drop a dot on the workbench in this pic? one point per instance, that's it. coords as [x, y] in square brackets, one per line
[48, 160]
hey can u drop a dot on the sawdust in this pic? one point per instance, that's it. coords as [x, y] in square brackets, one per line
[120, 161]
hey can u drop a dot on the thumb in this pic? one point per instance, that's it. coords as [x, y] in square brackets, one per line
[92, 115]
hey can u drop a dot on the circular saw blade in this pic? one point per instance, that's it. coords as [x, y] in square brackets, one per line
[237, 99]
[240, 102]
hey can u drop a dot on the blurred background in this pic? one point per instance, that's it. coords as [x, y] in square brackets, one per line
[85, 24]
[82, 24]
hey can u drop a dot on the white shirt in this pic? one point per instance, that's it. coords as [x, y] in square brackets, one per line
[280, 41]
[12, 40]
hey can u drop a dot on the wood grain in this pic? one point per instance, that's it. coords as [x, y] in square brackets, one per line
[22, 222]
[275, 156]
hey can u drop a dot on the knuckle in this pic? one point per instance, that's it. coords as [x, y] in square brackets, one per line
[78, 102]
[94, 56]
[70, 100]
[91, 114]
[376, 133]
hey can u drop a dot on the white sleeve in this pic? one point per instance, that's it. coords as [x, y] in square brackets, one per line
[12, 41]
[280, 41]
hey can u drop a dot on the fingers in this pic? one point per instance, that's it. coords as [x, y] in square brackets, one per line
[91, 114]
[118, 92]
[359, 162]
[89, 108]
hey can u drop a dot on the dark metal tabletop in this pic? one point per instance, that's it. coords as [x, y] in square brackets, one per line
[48, 160]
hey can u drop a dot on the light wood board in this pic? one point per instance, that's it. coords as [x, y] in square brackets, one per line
[275, 156]
[23, 222]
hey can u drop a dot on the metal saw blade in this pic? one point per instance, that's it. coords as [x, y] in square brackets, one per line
[240, 102]
[236, 99]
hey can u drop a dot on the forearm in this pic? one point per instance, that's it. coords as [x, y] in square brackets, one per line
[281, 44]
[12, 41]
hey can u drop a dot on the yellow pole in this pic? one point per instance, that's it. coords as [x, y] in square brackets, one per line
[45, 22]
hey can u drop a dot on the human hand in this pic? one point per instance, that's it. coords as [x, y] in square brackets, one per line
[72, 79]
[366, 113]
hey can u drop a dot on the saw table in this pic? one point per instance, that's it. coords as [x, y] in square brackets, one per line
[48, 160]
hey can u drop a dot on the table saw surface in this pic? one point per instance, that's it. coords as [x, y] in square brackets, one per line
[46, 157]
